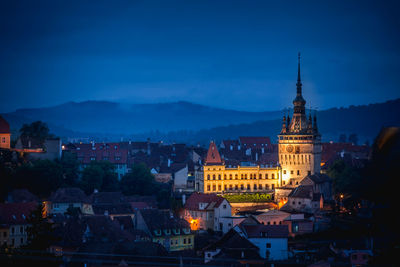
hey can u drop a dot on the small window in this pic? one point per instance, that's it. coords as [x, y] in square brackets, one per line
[284, 171]
[224, 206]
[268, 245]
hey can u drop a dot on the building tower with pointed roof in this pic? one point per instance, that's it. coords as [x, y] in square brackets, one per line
[299, 141]
[5, 134]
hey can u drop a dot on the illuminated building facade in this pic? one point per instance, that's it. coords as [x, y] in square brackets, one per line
[299, 151]
[299, 142]
[5, 134]
[219, 178]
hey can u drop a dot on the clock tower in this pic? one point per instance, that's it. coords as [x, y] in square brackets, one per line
[299, 142]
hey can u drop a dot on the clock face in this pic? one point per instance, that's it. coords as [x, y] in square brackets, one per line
[289, 148]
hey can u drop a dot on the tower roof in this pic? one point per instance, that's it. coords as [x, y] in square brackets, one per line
[299, 97]
[213, 156]
[4, 126]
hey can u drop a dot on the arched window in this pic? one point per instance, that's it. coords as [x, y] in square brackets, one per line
[260, 176]
[208, 177]
[236, 176]
[273, 176]
[255, 187]
[213, 176]
[219, 176]
[230, 176]
[266, 176]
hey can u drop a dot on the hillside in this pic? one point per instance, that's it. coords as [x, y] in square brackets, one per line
[122, 119]
[192, 123]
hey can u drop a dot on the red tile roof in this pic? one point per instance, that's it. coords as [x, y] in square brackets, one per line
[213, 156]
[192, 203]
[331, 150]
[112, 152]
[268, 231]
[15, 213]
[4, 126]
[255, 141]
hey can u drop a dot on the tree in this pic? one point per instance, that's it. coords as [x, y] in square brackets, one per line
[41, 177]
[92, 178]
[99, 175]
[37, 130]
[70, 168]
[40, 232]
[138, 182]
[346, 178]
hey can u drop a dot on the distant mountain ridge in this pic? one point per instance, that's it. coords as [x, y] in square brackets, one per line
[193, 123]
[115, 118]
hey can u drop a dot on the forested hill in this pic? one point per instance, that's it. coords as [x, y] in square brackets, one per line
[192, 123]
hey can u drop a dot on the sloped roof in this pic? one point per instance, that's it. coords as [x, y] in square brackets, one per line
[162, 220]
[192, 203]
[319, 178]
[16, 213]
[107, 198]
[112, 152]
[213, 156]
[269, 231]
[4, 126]
[232, 240]
[302, 191]
[21, 195]
[112, 208]
[69, 195]
[255, 141]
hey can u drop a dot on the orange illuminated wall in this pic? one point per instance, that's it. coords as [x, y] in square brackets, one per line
[5, 140]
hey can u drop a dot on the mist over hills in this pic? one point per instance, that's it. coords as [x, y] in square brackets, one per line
[194, 123]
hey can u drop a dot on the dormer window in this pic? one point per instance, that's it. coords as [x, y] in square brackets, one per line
[157, 232]
[177, 231]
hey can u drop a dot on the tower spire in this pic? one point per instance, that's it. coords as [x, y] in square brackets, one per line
[298, 84]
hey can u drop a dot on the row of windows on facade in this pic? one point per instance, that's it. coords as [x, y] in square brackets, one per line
[189, 241]
[309, 137]
[104, 158]
[101, 147]
[291, 172]
[242, 176]
[14, 230]
[3, 140]
[242, 187]
[300, 158]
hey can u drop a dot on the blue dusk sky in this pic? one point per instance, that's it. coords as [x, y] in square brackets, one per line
[231, 54]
